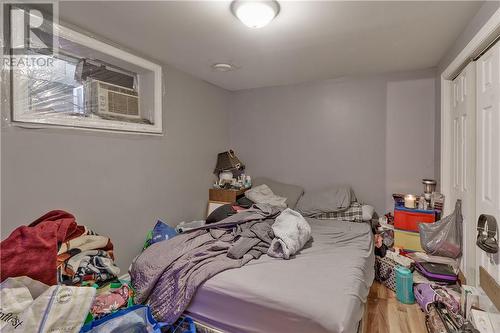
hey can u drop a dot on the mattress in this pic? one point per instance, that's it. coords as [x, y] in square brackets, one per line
[323, 289]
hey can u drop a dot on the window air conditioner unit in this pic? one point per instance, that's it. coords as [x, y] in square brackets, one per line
[109, 100]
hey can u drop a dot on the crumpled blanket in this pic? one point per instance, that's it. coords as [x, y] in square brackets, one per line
[291, 232]
[168, 281]
[253, 237]
[32, 250]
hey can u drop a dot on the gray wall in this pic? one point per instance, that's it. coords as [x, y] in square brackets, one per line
[349, 130]
[410, 138]
[119, 184]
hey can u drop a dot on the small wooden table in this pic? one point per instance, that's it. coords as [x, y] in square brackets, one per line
[223, 195]
[218, 197]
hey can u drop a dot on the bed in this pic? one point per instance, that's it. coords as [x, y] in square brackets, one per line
[323, 289]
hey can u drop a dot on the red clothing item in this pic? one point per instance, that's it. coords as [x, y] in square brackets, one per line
[32, 250]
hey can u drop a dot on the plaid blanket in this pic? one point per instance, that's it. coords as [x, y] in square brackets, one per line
[354, 214]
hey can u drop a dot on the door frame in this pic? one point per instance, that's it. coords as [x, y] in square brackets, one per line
[481, 40]
[476, 44]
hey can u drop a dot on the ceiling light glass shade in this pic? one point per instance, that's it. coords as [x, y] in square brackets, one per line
[255, 14]
[222, 67]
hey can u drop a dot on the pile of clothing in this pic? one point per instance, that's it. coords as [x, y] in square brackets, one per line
[54, 249]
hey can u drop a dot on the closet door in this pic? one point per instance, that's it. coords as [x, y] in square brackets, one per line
[464, 162]
[488, 147]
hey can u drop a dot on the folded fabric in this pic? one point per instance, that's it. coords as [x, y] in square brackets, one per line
[291, 232]
[353, 214]
[74, 262]
[81, 231]
[95, 268]
[85, 243]
[262, 194]
[28, 305]
[332, 199]
[32, 250]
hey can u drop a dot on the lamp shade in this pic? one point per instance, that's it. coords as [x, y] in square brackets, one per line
[228, 161]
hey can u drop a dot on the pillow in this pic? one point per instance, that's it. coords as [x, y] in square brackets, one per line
[292, 193]
[368, 212]
[262, 194]
[353, 214]
[332, 199]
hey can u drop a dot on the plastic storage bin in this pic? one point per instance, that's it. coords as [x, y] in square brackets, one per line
[404, 285]
[409, 219]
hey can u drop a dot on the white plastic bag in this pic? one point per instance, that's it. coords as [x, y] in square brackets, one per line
[444, 237]
[28, 305]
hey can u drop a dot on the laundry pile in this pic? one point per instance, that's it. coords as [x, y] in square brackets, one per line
[54, 249]
[59, 276]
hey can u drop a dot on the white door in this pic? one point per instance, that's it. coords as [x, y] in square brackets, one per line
[488, 148]
[464, 162]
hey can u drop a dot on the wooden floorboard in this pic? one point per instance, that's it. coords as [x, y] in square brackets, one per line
[384, 314]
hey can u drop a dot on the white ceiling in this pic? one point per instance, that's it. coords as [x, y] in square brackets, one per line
[307, 41]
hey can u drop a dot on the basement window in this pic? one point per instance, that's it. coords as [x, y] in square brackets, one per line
[87, 84]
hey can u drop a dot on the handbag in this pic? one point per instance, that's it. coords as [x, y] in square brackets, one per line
[385, 268]
[385, 272]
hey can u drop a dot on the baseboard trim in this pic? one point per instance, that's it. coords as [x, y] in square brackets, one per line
[490, 286]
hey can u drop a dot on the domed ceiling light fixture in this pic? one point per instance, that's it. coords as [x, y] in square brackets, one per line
[223, 67]
[255, 13]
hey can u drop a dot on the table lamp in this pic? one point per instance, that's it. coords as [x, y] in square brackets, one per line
[227, 162]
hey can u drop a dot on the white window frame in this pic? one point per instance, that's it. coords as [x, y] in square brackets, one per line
[149, 75]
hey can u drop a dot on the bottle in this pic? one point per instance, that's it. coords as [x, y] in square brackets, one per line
[404, 285]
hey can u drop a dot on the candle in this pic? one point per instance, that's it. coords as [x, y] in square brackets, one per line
[410, 201]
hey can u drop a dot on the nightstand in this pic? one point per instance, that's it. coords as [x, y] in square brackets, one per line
[218, 197]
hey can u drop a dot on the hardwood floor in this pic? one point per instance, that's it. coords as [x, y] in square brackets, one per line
[386, 315]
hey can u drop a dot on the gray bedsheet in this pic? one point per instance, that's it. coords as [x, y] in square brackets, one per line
[323, 289]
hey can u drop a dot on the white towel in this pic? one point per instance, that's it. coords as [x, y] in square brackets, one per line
[291, 233]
